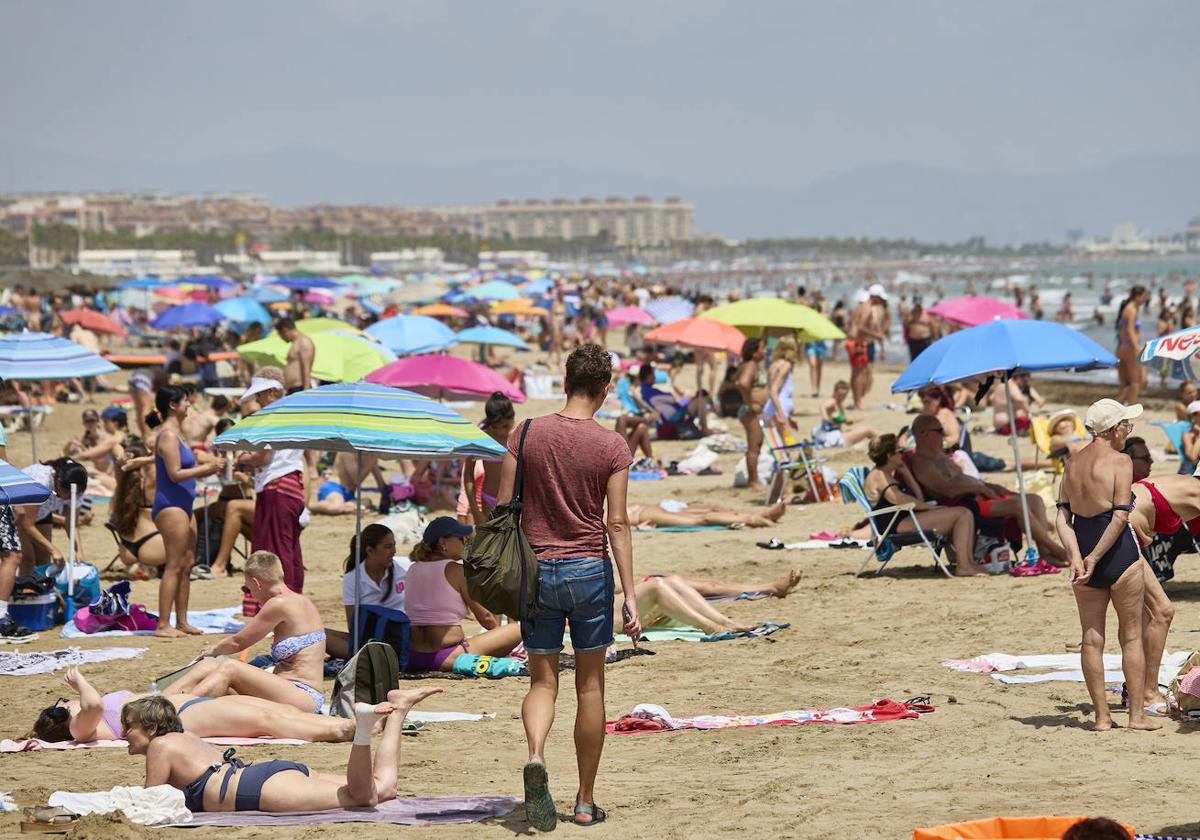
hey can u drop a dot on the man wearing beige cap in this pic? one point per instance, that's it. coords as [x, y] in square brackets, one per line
[1095, 500]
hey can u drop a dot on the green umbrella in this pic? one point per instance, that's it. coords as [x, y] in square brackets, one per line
[756, 314]
[341, 356]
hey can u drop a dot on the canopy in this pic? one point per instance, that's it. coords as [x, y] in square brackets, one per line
[515, 306]
[407, 335]
[340, 356]
[491, 335]
[16, 488]
[305, 283]
[188, 315]
[972, 311]
[754, 315]
[445, 378]
[670, 309]
[703, 333]
[626, 315]
[243, 310]
[211, 281]
[92, 320]
[493, 290]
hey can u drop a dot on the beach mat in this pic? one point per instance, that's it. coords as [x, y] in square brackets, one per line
[421, 810]
[210, 621]
[35, 744]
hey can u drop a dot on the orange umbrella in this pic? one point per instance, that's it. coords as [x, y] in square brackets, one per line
[92, 320]
[513, 306]
[441, 310]
[704, 333]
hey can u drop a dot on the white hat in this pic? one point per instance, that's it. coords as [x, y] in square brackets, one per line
[878, 291]
[1102, 415]
[259, 384]
[1193, 407]
[862, 296]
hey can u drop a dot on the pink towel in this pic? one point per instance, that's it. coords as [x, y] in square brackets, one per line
[29, 744]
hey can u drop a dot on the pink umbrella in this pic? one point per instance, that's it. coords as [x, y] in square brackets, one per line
[319, 296]
[445, 378]
[973, 311]
[627, 315]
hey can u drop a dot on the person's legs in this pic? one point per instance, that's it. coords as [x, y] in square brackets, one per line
[640, 438]
[175, 525]
[856, 434]
[959, 525]
[857, 390]
[754, 440]
[184, 591]
[655, 597]
[1158, 613]
[690, 597]
[245, 716]
[716, 587]
[498, 641]
[239, 516]
[537, 710]
[1093, 607]
[1047, 545]
[589, 725]
[241, 678]
[334, 504]
[9, 561]
[1129, 598]
[387, 754]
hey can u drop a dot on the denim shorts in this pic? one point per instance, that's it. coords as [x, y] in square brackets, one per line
[578, 592]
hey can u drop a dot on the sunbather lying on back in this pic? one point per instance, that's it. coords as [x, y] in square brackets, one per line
[652, 516]
[211, 781]
[666, 599]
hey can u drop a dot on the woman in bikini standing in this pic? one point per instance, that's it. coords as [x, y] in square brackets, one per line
[1105, 563]
[142, 546]
[498, 421]
[1132, 375]
[753, 353]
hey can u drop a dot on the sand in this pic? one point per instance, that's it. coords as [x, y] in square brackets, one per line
[989, 749]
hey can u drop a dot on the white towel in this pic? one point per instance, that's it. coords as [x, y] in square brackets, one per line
[444, 717]
[21, 664]
[158, 805]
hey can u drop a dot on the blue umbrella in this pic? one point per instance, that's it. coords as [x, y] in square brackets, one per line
[188, 315]
[243, 310]
[144, 283]
[1005, 349]
[668, 310]
[494, 290]
[16, 488]
[305, 283]
[269, 294]
[212, 281]
[406, 335]
[491, 335]
[5, 311]
[538, 287]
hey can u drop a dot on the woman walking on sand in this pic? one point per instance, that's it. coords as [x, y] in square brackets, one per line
[1132, 375]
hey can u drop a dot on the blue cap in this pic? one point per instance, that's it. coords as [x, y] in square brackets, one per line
[113, 412]
[444, 526]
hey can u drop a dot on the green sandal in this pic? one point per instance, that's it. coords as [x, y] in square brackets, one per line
[597, 814]
[539, 804]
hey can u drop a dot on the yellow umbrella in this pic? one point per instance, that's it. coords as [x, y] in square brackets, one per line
[441, 310]
[756, 314]
[312, 326]
[340, 357]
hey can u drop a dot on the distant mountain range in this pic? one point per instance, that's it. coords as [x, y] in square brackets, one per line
[892, 200]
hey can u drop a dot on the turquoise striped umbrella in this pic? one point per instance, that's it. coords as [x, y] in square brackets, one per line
[16, 488]
[361, 417]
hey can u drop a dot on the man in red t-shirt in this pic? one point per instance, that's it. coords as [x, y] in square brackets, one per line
[571, 467]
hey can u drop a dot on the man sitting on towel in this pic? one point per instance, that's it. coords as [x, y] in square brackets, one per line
[678, 418]
[942, 479]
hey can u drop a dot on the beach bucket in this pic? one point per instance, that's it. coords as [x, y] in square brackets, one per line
[1019, 828]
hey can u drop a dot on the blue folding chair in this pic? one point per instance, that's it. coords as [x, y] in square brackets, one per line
[887, 542]
[1174, 432]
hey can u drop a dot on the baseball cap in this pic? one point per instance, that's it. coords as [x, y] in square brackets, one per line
[878, 291]
[259, 384]
[444, 526]
[1102, 415]
[113, 413]
[1193, 407]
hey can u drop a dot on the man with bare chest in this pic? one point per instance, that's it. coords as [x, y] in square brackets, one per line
[297, 374]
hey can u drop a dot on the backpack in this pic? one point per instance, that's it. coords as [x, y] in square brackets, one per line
[366, 677]
[500, 567]
[380, 624]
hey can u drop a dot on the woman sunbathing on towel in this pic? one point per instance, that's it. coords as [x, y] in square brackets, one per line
[666, 599]
[652, 516]
[97, 717]
[212, 781]
[298, 649]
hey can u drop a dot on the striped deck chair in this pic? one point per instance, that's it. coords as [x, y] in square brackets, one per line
[789, 455]
[1174, 432]
[886, 543]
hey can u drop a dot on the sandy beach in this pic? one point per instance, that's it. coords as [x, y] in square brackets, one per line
[988, 749]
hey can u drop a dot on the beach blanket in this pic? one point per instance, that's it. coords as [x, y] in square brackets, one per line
[1064, 667]
[841, 542]
[33, 744]
[22, 664]
[210, 621]
[681, 529]
[651, 718]
[158, 805]
[647, 475]
[683, 633]
[421, 810]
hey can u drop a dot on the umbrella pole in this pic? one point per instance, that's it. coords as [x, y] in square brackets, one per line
[69, 612]
[1031, 552]
[357, 555]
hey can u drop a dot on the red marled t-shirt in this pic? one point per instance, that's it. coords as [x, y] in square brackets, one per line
[567, 464]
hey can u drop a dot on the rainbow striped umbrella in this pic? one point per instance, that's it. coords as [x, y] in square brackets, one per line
[16, 488]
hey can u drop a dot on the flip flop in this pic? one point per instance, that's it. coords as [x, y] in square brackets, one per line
[539, 804]
[772, 544]
[1156, 710]
[597, 814]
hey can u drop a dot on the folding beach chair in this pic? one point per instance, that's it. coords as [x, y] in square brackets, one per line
[1039, 433]
[1174, 432]
[785, 452]
[885, 544]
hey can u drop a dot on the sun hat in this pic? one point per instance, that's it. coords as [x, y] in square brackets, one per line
[878, 291]
[259, 384]
[1102, 415]
[862, 296]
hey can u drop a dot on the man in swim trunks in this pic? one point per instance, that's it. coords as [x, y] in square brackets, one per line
[339, 486]
[863, 332]
[297, 375]
[1163, 548]
[941, 478]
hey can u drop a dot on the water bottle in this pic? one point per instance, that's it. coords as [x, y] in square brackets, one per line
[1032, 557]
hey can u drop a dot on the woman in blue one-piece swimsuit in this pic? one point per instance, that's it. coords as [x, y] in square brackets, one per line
[175, 472]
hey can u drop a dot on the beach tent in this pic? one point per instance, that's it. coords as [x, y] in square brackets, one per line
[1004, 349]
[188, 315]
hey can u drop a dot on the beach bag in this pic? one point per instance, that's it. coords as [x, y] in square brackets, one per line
[380, 624]
[500, 567]
[1180, 700]
[366, 677]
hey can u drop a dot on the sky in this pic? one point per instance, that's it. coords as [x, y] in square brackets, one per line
[752, 94]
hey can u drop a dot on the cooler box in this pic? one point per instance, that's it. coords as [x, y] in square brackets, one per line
[35, 612]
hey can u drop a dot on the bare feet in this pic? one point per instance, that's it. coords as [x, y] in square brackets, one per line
[219, 571]
[168, 632]
[776, 511]
[184, 627]
[1103, 725]
[407, 698]
[968, 568]
[1143, 723]
[784, 587]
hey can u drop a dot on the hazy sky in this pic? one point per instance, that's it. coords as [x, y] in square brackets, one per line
[750, 93]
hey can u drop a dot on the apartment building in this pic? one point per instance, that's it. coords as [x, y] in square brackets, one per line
[640, 221]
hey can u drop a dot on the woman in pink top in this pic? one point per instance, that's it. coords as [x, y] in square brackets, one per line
[436, 602]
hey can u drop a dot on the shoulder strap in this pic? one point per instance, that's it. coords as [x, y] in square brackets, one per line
[517, 486]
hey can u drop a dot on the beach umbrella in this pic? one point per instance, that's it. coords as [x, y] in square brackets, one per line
[362, 417]
[668, 310]
[1174, 353]
[702, 333]
[756, 314]
[17, 489]
[445, 378]
[208, 281]
[267, 293]
[300, 283]
[312, 326]
[188, 315]
[364, 285]
[537, 286]
[516, 306]
[972, 311]
[491, 335]
[407, 335]
[625, 315]
[5, 311]
[1004, 349]
[339, 357]
[441, 310]
[243, 310]
[493, 290]
[92, 320]
[36, 356]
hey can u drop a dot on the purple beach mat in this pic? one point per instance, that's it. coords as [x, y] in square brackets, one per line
[420, 810]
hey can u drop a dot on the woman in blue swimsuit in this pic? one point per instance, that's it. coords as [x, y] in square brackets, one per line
[175, 471]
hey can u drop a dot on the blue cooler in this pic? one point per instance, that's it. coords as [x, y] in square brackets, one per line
[35, 612]
[87, 583]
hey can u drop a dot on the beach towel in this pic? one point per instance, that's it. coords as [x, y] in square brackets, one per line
[210, 621]
[1065, 667]
[683, 633]
[650, 718]
[34, 744]
[158, 805]
[682, 529]
[841, 542]
[22, 664]
[445, 717]
[647, 475]
[421, 810]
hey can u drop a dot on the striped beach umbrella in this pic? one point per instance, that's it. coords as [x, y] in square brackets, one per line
[16, 488]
